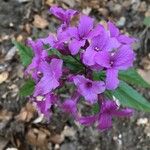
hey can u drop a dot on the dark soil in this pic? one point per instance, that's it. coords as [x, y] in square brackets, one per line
[16, 22]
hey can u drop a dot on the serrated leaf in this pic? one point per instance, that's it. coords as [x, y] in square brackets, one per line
[147, 21]
[130, 97]
[132, 77]
[27, 89]
[25, 53]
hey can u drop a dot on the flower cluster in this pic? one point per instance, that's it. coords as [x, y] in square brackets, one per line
[95, 48]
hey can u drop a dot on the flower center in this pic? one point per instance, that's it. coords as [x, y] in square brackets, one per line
[96, 49]
[111, 63]
[88, 84]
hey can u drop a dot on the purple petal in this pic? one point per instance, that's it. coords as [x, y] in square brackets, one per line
[70, 106]
[96, 31]
[88, 57]
[124, 57]
[123, 112]
[75, 46]
[73, 32]
[112, 81]
[45, 105]
[108, 106]
[98, 87]
[105, 121]
[85, 26]
[56, 66]
[87, 121]
[124, 39]
[114, 31]
[103, 59]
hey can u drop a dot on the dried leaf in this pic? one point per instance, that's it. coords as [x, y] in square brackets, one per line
[57, 138]
[40, 22]
[26, 113]
[38, 137]
[3, 76]
[145, 74]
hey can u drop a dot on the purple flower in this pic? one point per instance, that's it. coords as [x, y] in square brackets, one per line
[101, 42]
[64, 15]
[122, 59]
[51, 75]
[45, 104]
[58, 42]
[114, 32]
[109, 108]
[88, 88]
[70, 106]
[80, 34]
[88, 120]
[39, 55]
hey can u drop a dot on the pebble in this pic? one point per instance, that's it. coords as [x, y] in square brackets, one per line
[121, 22]
[142, 121]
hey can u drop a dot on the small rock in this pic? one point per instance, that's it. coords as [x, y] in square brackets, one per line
[87, 10]
[145, 74]
[57, 139]
[142, 121]
[69, 132]
[70, 3]
[10, 53]
[117, 9]
[49, 2]
[68, 146]
[121, 22]
[3, 76]
[103, 11]
[3, 143]
[23, 1]
[147, 130]
[40, 22]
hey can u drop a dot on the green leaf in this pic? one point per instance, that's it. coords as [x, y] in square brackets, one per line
[95, 108]
[25, 53]
[147, 21]
[99, 75]
[132, 77]
[27, 89]
[131, 98]
[54, 52]
[73, 64]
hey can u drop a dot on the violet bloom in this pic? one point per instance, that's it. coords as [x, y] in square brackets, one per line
[39, 55]
[101, 42]
[89, 89]
[51, 75]
[64, 15]
[122, 59]
[58, 42]
[70, 106]
[109, 109]
[114, 32]
[44, 105]
[80, 34]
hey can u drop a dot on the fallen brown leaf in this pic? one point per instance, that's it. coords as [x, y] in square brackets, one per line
[38, 137]
[40, 22]
[3, 76]
[145, 74]
[57, 138]
[26, 113]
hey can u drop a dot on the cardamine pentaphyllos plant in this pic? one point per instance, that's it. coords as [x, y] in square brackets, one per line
[85, 62]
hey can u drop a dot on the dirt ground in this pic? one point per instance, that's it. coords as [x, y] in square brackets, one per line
[21, 128]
